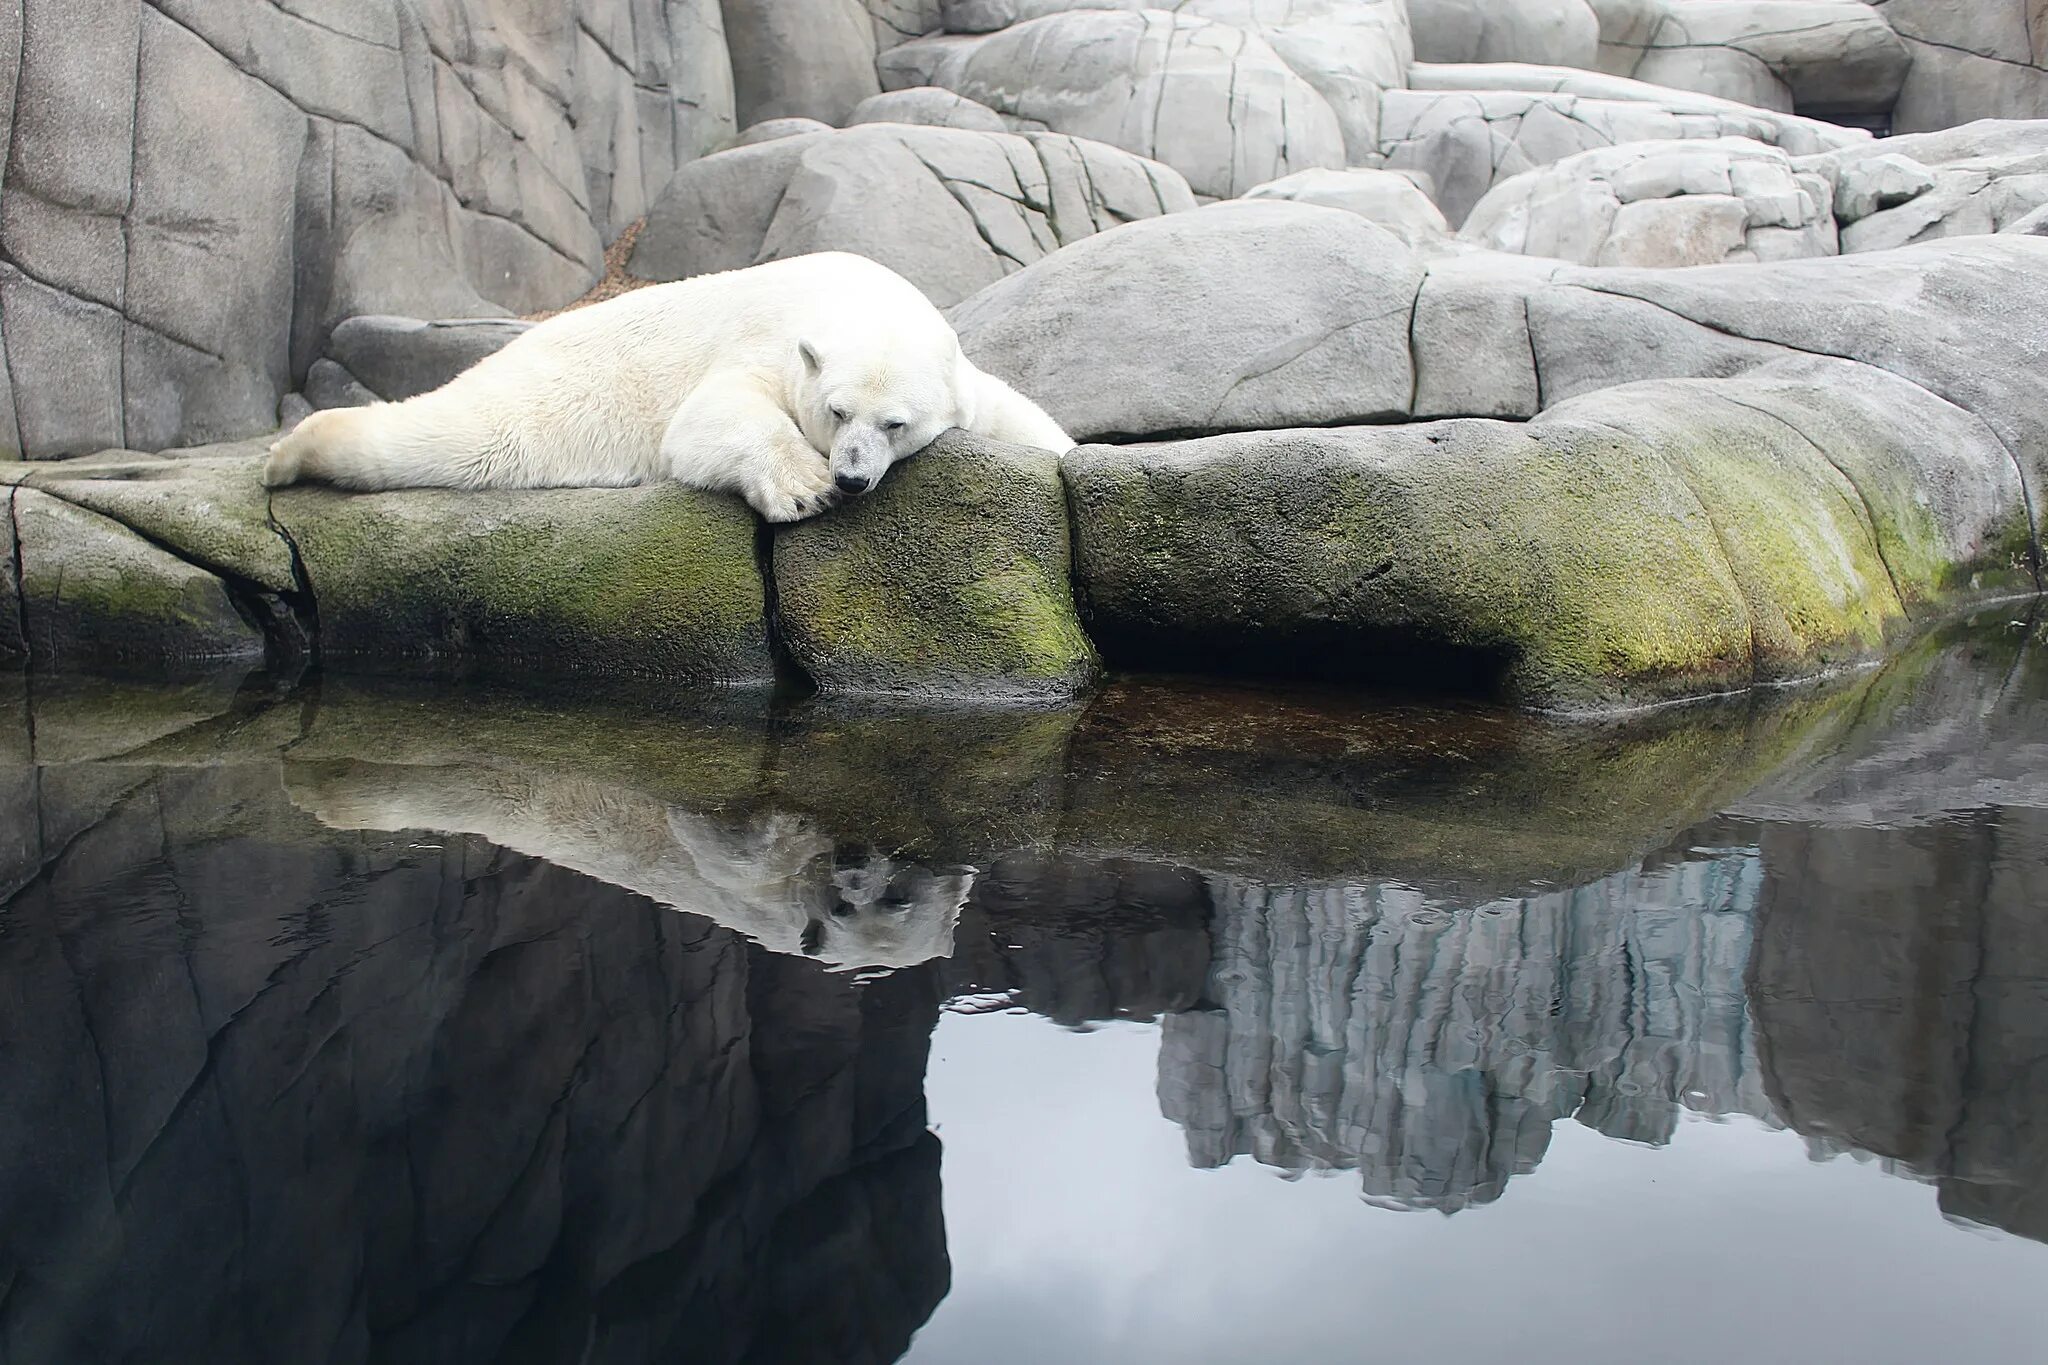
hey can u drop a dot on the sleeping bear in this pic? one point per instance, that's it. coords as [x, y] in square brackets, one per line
[795, 384]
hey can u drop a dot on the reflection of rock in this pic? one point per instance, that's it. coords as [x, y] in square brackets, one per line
[771, 877]
[1080, 939]
[1431, 1046]
[325, 1096]
[1900, 1006]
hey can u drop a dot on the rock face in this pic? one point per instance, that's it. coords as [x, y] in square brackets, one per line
[952, 210]
[930, 106]
[1215, 102]
[396, 358]
[951, 578]
[1552, 32]
[1979, 178]
[1513, 121]
[1395, 201]
[163, 284]
[1986, 59]
[1832, 58]
[1662, 204]
[1691, 537]
[1253, 314]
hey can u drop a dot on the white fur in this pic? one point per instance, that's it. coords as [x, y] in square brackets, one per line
[771, 382]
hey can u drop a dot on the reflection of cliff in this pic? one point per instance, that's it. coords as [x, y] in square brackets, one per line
[1901, 997]
[278, 1093]
[1431, 1046]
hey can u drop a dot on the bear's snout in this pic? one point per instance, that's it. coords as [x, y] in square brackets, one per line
[853, 485]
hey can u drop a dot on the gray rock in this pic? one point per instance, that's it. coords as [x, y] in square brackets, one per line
[1552, 32]
[950, 579]
[928, 105]
[460, 160]
[773, 129]
[330, 386]
[95, 595]
[2034, 224]
[952, 210]
[1215, 102]
[1389, 198]
[1874, 183]
[1251, 314]
[1470, 140]
[1829, 57]
[1985, 59]
[808, 61]
[1662, 204]
[13, 644]
[397, 358]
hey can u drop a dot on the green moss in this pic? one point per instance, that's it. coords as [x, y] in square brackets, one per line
[951, 578]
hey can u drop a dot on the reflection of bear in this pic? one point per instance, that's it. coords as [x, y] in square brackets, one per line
[771, 877]
[794, 384]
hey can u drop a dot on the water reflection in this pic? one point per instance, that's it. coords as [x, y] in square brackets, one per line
[360, 1024]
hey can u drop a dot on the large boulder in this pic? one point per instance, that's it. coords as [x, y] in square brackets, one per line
[657, 582]
[397, 358]
[950, 209]
[1978, 178]
[951, 579]
[1827, 57]
[164, 284]
[1662, 204]
[1653, 541]
[1214, 101]
[1984, 59]
[95, 595]
[813, 60]
[930, 106]
[1552, 32]
[1395, 201]
[1470, 131]
[1255, 314]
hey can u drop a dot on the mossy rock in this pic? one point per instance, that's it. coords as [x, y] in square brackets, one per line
[950, 579]
[214, 512]
[95, 595]
[659, 582]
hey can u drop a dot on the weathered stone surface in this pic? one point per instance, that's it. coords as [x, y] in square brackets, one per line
[1389, 198]
[770, 129]
[949, 579]
[658, 582]
[1215, 102]
[13, 644]
[1872, 184]
[1517, 119]
[166, 284]
[95, 595]
[1662, 204]
[210, 510]
[1828, 57]
[927, 105]
[1551, 32]
[1983, 59]
[1238, 315]
[1651, 541]
[1974, 179]
[950, 209]
[800, 61]
[396, 358]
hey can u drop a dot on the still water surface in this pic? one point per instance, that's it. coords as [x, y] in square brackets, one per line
[376, 1023]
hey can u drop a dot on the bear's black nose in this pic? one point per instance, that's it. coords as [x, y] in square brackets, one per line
[852, 484]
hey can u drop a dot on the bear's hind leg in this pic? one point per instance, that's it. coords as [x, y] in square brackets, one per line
[732, 434]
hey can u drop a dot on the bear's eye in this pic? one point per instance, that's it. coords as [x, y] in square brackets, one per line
[894, 424]
[838, 413]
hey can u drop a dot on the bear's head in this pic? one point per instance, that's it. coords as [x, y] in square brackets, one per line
[865, 404]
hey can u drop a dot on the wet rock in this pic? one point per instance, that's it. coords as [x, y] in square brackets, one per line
[1662, 204]
[655, 582]
[951, 578]
[1659, 540]
[1240, 315]
[950, 209]
[94, 594]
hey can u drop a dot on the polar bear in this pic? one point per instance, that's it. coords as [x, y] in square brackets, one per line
[795, 384]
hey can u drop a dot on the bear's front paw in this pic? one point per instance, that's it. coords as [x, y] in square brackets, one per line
[797, 492]
[281, 469]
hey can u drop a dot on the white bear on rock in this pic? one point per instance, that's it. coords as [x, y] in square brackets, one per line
[795, 384]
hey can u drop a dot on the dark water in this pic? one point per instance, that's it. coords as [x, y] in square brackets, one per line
[358, 1023]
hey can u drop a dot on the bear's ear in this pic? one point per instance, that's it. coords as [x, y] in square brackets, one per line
[809, 355]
